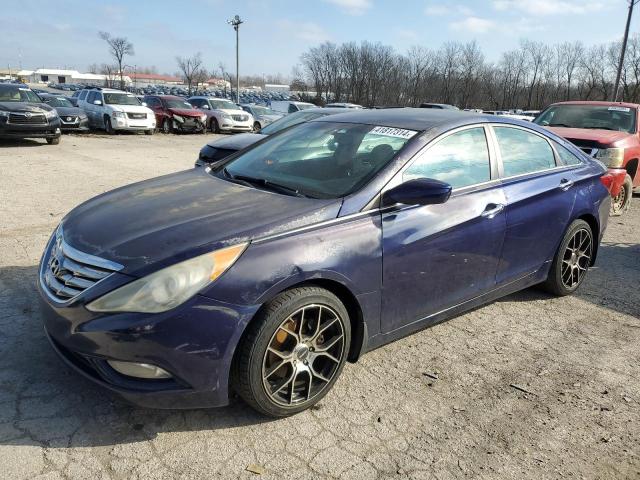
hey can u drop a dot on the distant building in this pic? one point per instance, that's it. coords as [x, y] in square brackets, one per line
[218, 83]
[272, 87]
[154, 79]
[47, 75]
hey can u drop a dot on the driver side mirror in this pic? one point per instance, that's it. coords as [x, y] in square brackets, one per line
[97, 102]
[144, 104]
[419, 191]
[205, 107]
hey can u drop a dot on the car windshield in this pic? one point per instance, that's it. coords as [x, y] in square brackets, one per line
[290, 120]
[18, 95]
[120, 99]
[318, 159]
[58, 102]
[262, 110]
[224, 105]
[604, 117]
[175, 103]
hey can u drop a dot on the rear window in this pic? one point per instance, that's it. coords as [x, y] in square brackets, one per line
[523, 152]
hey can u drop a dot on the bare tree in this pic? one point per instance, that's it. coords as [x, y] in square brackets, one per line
[192, 70]
[119, 47]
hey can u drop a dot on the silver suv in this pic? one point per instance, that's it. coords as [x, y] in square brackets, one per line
[113, 110]
[224, 115]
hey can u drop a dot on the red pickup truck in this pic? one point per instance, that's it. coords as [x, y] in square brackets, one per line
[607, 131]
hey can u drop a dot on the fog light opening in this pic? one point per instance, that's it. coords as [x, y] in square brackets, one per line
[139, 370]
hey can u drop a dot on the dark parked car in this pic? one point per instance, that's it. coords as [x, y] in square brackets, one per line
[216, 150]
[24, 115]
[176, 114]
[72, 119]
[264, 275]
[439, 106]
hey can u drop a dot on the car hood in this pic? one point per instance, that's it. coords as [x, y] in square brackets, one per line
[24, 107]
[232, 111]
[155, 223]
[186, 112]
[132, 109]
[604, 137]
[64, 111]
[237, 142]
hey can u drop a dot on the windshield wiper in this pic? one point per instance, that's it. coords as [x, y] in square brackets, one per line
[559, 125]
[261, 182]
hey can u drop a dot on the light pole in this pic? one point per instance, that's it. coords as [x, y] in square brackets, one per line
[616, 87]
[236, 22]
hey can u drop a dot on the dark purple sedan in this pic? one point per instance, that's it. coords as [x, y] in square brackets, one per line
[264, 275]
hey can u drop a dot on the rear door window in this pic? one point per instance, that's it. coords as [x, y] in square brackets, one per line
[565, 157]
[523, 152]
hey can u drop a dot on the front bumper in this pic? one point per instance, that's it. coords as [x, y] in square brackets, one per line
[190, 125]
[618, 174]
[230, 125]
[194, 342]
[50, 130]
[81, 125]
[125, 123]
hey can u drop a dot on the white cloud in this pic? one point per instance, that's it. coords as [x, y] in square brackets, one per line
[473, 25]
[407, 34]
[308, 31]
[549, 7]
[434, 10]
[352, 7]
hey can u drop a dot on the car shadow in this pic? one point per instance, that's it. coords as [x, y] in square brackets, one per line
[23, 142]
[43, 402]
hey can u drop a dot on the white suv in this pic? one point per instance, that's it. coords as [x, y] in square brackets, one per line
[113, 110]
[223, 115]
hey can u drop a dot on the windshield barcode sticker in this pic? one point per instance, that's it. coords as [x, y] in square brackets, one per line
[619, 109]
[393, 132]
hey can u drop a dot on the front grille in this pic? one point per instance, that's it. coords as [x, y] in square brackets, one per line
[27, 119]
[240, 118]
[589, 147]
[69, 119]
[66, 272]
[136, 116]
[589, 151]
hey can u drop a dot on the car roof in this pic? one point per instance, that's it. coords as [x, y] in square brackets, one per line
[166, 97]
[597, 103]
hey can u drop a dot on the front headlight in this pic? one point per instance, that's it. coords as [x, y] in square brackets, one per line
[178, 118]
[203, 118]
[4, 114]
[226, 116]
[116, 114]
[169, 287]
[50, 113]
[611, 157]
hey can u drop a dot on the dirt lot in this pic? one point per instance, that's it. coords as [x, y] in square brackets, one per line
[528, 387]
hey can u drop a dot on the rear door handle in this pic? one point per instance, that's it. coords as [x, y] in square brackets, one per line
[566, 184]
[492, 210]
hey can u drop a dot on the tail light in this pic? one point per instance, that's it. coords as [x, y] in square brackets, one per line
[607, 181]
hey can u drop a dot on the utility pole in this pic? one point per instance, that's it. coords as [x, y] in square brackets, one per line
[236, 22]
[616, 87]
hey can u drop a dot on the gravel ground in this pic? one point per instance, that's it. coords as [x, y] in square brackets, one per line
[528, 387]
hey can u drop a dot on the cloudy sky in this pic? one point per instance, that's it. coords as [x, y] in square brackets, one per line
[64, 33]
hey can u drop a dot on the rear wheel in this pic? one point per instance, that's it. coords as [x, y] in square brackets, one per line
[256, 127]
[621, 202]
[149, 132]
[166, 126]
[293, 352]
[572, 260]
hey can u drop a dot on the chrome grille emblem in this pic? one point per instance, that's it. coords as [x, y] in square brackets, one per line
[27, 114]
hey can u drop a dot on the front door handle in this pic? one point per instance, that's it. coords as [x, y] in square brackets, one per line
[492, 210]
[565, 184]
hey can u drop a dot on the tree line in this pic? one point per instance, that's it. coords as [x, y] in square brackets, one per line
[530, 76]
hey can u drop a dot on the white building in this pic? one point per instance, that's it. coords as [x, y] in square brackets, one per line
[272, 87]
[46, 75]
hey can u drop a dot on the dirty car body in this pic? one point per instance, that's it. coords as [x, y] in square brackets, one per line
[397, 268]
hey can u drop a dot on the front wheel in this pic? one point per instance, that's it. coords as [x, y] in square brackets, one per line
[572, 260]
[256, 127]
[53, 141]
[108, 127]
[293, 352]
[215, 128]
[621, 202]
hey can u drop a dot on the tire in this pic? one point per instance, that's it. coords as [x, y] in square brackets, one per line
[256, 127]
[53, 141]
[568, 270]
[620, 203]
[149, 132]
[259, 366]
[108, 127]
[215, 128]
[166, 126]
